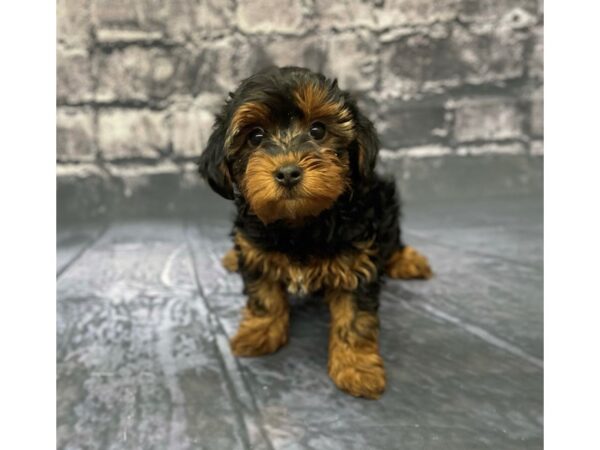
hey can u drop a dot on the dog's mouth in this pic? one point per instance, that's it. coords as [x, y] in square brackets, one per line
[292, 194]
[292, 206]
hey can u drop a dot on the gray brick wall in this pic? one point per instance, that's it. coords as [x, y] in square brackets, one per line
[445, 81]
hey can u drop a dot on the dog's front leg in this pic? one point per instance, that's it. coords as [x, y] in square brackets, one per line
[265, 323]
[355, 365]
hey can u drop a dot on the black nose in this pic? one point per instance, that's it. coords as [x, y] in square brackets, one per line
[289, 175]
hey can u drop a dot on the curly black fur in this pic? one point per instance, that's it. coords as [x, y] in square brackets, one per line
[369, 210]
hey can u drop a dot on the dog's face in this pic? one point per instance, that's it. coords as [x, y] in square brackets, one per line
[290, 142]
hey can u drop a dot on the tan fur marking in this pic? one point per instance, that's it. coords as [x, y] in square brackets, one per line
[230, 260]
[324, 180]
[408, 264]
[355, 365]
[313, 100]
[343, 271]
[265, 324]
[247, 114]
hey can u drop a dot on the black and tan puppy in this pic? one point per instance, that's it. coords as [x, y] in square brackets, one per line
[297, 157]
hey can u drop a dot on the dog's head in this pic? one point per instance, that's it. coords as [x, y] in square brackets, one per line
[290, 142]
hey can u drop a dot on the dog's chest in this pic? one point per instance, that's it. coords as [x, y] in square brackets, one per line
[341, 271]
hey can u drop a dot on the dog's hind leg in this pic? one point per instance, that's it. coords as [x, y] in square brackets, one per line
[404, 261]
[230, 260]
[407, 263]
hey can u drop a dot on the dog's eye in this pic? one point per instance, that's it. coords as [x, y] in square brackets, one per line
[256, 136]
[317, 130]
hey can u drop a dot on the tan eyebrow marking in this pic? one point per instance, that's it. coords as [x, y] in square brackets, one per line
[313, 100]
[247, 114]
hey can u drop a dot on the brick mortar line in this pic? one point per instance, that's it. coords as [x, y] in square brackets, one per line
[515, 88]
[408, 30]
[89, 244]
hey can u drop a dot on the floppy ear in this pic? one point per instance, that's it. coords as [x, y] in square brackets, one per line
[212, 165]
[366, 146]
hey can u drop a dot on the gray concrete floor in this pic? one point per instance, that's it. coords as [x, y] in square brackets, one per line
[145, 311]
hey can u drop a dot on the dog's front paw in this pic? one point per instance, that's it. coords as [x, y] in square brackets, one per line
[258, 336]
[359, 374]
[408, 264]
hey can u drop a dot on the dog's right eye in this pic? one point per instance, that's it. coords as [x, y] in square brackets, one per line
[256, 136]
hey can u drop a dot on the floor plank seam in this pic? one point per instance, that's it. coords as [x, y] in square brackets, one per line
[83, 249]
[423, 307]
[237, 389]
[439, 243]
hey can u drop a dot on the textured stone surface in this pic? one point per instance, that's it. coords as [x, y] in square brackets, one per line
[145, 311]
[494, 10]
[125, 134]
[449, 56]
[75, 134]
[536, 61]
[464, 76]
[345, 14]
[144, 15]
[496, 148]
[74, 82]
[416, 12]
[537, 148]
[73, 22]
[486, 118]
[114, 13]
[537, 113]
[265, 50]
[412, 123]
[359, 72]
[198, 20]
[136, 73]
[173, 21]
[191, 127]
[268, 16]
[147, 74]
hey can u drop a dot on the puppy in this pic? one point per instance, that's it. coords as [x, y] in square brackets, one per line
[297, 157]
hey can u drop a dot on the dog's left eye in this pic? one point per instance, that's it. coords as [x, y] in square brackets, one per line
[256, 136]
[317, 130]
